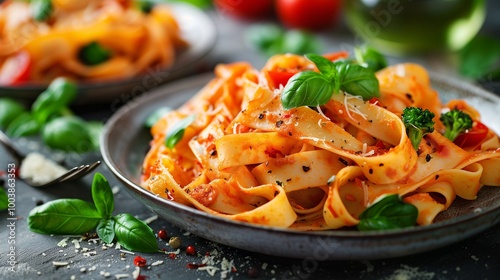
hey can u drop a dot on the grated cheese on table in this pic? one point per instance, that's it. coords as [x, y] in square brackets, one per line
[63, 242]
[39, 169]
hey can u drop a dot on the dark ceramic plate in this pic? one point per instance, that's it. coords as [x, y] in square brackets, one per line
[197, 29]
[125, 142]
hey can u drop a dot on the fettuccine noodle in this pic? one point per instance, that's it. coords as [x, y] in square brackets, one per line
[136, 40]
[246, 158]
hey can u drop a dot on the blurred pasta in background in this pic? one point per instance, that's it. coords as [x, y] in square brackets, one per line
[85, 40]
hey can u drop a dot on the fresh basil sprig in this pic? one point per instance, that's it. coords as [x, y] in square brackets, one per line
[51, 116]
[391, 212]
[64, 216]
[176, 132]
[357, 80]
[134, 234]
[75, 216]
[310, 88]
[106, 230]
[102, 196]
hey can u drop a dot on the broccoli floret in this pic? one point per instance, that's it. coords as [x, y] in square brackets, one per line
[418, 122]
[456, 122]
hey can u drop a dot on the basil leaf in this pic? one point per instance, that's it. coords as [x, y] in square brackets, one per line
[67, 134]
[263, 36]
[4, 199]
[41, 9]
[176, 132]
[64, 216]
[325, 66]
[298, 42]
[23, 125]
[134, 234]
[272, 39]
[480, 58]
[357, 80]
[9, 110]
[54, 99]
[389, 213]
[94, 53]
[370, 58]
[106, 230]
[102, 196]
[202, 4]
[307, 89]
[156, 115]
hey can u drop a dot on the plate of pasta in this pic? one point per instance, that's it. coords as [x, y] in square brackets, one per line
[232, 163]
[111, 49]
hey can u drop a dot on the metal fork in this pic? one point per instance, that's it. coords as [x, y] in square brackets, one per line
[74, 173]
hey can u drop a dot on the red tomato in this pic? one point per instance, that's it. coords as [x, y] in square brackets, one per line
[281, 77]
[336, 55]
[16, 69]
[308, 14]
[473, 136]
[245, 9]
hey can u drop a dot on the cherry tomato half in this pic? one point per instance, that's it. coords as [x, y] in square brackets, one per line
[16, 69]
[245, 9]
[473, 136]
[308, 14]
[281, 77]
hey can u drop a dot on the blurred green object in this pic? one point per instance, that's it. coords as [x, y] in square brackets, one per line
[9, 110]
[56, 98]
[370, 58]
[68, 134]
[406, 26]
[272, 39]
[480, 59]
[93, 54]
[23, 125]
[146, 5]
[41, 9]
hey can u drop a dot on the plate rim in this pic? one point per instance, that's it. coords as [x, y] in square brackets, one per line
[202, 79]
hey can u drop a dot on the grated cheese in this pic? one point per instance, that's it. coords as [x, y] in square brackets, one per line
[173, 252]
[322, 114]
[157, 263]
[352, 108]
[115, 189]
[60, 263]
[63, 242]
[127, 252]
[136, 272]
[151, 219]
[76, 243]
[366, 154]
[211, 270]
[39, 169]
[90, 253]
